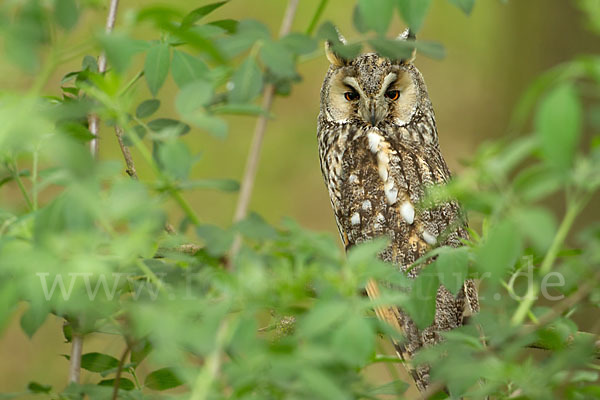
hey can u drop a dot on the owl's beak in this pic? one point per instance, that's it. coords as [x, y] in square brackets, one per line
[372, 114]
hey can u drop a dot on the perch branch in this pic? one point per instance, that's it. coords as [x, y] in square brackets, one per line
[93, 119]
[115, 394]
[93, 125]
[257, 139]
[75, 360]
[126, 154]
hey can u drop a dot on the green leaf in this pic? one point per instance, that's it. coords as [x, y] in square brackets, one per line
[217, 240]
[298, 43]
[413, 12]
[98, 362]
[200, 12]
[162, 379]
[160, 124]
[465, 5]
[226, 185]
[354, 340]
[499, 250]
[537, 224]
[213, 125]
[66, 13]
[147, 108]
[558, 125]
[396, 387]
[452, 266]
[421, 305]
[320, 386]
[240, 109]
[278, 59]
[140, 351]
[175, 158]
[229, 25]
[156, 67]
[376, 14]
[193, 96]
[392, 49]
[35, 387]
[186, 68]
[321, 318]
[120, 48]
[33, 318]
[247, 82]
[255, 227]
[124, 383]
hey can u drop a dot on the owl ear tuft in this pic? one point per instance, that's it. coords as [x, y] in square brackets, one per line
[334, 58]
[408, 35]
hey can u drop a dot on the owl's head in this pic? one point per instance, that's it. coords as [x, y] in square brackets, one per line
[370, 89]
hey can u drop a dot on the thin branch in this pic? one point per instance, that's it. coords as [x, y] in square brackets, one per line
[259, 133]
[93, 119]
[119, 370]
[126, 154]
[75, 360]
[93, 125]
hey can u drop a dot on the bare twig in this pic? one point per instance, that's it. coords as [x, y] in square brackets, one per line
[93, 119]
[126, 154]
[93, 125]
[259, 133]
[75, 359]
[119, 370]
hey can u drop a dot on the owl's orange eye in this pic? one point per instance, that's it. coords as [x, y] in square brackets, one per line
[392, 94]
[351, 96]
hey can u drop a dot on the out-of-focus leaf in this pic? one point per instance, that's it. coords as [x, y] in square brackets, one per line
[66, 13]
[200, 12]
[354, 340]
[175, 158]
[376, 14]
[217, 240]
[139, 351]
[499, 250]
[156, 67]
[213, 125]
[537, 224]
[413, 12]
[247, 82]
[119, 49]
[33, 318]
[465, 5]
[147, 108]
[558, 126]
[241, 109]
[278, 59]
[421, 305]
[392, 49]
[452, 266]
[124, 383]
[193, 97]
[320, 386]
[35, 387]
[396, 387]
[186, 68]
[160, 124]
[226, 185]
[162, 379]
[255, 227]
[98, 362]
[229, 25]
[298, 43]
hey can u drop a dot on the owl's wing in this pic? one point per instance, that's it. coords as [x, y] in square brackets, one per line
[376, 190]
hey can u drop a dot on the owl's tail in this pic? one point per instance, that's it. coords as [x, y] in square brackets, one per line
[391, 315]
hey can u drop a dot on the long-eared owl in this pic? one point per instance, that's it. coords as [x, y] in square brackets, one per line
[379, 151]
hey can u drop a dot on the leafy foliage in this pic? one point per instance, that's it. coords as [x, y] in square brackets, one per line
[288, 319]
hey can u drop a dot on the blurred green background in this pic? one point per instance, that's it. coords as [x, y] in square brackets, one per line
[491, 58]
